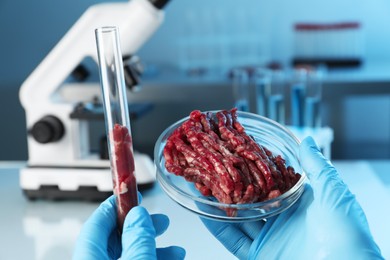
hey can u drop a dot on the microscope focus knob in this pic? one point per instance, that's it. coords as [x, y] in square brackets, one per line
[48, 129]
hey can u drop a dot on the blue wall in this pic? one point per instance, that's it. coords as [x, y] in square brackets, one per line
[273, 21]
[29, 29]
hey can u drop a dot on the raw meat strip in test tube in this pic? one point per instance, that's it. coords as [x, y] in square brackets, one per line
[117, 121]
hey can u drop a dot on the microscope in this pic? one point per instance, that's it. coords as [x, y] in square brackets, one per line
[61, 163]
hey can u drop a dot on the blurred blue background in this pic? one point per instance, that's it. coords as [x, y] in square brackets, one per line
[358, 109]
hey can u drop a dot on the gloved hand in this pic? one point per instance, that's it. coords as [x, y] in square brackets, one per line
[99, 238]
[326, 223]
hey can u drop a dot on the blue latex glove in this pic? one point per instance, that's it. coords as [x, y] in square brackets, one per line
[326, 223]
[99, 238]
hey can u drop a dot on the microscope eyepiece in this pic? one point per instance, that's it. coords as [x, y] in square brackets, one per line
[159, 4]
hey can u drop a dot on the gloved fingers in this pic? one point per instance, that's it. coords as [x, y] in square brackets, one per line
[139, 198]
[171, 253]
[280, 233]
[300, 206]
[312, 159]
[114, 247]
[99, 225]
[160, 223]
[327, 185]
[251, 228]
[138, 237]
[231, 236]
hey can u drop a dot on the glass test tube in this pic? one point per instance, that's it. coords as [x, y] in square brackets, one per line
[240, 83]
[270, 88]
[313, 98]
[262, 82]
[276, 102]
[298, 93]
[117, 120]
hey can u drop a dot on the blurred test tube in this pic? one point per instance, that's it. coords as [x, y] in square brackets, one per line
[313, 97]
[298, 94]
[262, 82]
[270, 93]
[276, 102]
[240, 85]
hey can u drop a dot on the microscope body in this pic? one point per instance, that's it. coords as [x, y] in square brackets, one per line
[58, 145]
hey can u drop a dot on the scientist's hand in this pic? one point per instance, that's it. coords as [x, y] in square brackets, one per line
[326, 223]
[99, 238]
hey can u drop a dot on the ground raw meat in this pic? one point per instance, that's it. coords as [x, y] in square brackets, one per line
[123, 172]
[215, 152]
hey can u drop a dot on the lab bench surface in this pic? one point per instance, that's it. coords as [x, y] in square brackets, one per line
[48, 230]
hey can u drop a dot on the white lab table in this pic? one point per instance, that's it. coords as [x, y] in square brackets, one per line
[48, 230]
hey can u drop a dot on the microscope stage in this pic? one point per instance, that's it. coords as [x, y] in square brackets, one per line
[79, 183]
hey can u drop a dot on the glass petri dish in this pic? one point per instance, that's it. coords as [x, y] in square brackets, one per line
[272, 135]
